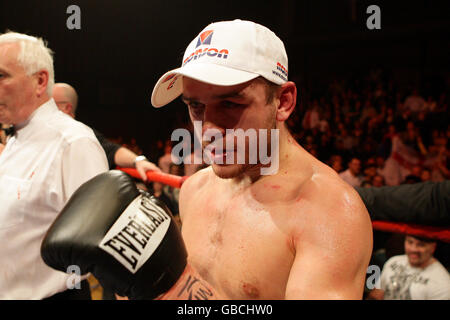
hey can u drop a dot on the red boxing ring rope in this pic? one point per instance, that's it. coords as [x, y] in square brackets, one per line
[438, 233]
[165, 178]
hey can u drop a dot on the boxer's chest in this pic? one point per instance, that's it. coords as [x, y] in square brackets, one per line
[239, 247]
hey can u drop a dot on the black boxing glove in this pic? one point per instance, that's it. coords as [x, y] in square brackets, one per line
[126, 238]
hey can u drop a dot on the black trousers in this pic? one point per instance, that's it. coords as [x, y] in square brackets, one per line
[84, 293]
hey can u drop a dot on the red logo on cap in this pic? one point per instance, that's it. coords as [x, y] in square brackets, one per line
[281, 68]
[205, 38]
[170, 76]
[170, 86]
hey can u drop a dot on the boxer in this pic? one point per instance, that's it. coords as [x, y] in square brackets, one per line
[300, 232]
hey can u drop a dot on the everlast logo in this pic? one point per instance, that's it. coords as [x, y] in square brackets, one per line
[137, 233]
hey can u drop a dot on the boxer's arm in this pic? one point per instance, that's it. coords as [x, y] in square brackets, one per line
[333, 253]
[109, 147]
[421, 203]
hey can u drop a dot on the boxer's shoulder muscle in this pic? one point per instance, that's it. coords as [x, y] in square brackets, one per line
[332, 240]
[334, 201]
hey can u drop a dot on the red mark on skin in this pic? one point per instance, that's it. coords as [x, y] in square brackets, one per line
[250, 290]
[216, 238]
[31, 176]
[273, 186]
[18, 193]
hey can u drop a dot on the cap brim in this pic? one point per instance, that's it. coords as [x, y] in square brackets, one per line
[170, 85]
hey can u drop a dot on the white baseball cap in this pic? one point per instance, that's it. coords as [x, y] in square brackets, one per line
[226, 53]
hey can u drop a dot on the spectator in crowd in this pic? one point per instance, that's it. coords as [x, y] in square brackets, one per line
[366, 184]
[415, 103]
[312, 117]
[165, 160]
[195, 163]
[430, 104]
[378, 181]
[174, 193]
[416, 171]
[425, 175]
[336, 163]
[416, 275]
[66, 99]
[370, 170]
[161, 195]
[352, 174]
[370, 117]
[45, 160]
[409, 179]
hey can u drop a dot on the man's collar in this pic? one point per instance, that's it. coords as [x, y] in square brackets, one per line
[9, 131]
[44, 109]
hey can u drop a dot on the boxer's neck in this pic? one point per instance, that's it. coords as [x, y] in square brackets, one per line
[288, 151]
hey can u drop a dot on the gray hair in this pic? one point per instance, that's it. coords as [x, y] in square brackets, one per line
[34, 55]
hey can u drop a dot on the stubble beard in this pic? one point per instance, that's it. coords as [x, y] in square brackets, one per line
[235, 170]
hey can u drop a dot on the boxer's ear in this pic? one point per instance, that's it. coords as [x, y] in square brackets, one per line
[287, 98]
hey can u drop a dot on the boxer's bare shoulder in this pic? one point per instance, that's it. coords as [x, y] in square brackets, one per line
[333, 239]
[258, 241]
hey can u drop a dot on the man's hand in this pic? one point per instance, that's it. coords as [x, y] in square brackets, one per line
[143, 166]
[128, 159]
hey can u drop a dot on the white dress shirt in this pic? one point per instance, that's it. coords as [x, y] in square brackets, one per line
[45, 161]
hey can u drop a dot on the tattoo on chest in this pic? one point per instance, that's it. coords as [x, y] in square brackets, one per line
[195, 289]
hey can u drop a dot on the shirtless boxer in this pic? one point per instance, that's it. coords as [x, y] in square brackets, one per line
[298, 233]
[302, 233]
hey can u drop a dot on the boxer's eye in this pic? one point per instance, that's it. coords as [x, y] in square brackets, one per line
[194, 106]
[196, 109]
[230, 104]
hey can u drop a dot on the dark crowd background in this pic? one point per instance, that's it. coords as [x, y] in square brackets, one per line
[373, 102]
[362, 92]
[123, 47]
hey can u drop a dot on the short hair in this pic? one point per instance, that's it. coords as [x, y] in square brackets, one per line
[270, 88]
[423, 239]
[34, 55]
[70, 94]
